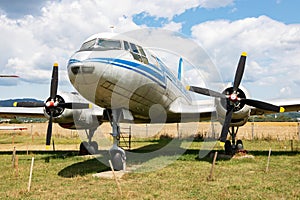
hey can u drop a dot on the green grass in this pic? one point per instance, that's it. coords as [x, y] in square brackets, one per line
[64, 175]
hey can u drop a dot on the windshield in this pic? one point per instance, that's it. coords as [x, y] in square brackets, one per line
[109, 44]
[88, 44]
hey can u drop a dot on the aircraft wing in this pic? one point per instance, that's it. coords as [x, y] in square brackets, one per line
[12, 128]
[13, 112]
[290, 105]
[203, 109]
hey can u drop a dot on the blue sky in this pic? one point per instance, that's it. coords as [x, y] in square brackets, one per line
[38, 33]
[284, 11]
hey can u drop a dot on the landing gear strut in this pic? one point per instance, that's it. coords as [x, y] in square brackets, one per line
[234, 146]
[117, 154]
[90, 147]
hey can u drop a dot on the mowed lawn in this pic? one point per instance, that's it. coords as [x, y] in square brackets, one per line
[64, 175]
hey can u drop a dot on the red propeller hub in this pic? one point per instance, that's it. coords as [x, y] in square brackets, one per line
[50, 104]
[233, 97]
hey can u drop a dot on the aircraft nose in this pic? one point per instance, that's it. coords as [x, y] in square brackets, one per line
[82, 73]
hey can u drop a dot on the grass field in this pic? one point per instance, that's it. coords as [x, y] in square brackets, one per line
[64, 175]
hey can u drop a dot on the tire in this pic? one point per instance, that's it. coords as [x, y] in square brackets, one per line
[83, 149]
[239, 145]
[94, 144]
[117, 161]
[228, 148]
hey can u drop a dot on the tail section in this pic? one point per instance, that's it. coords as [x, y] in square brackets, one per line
[180, 69]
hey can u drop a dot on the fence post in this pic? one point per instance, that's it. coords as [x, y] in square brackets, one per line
[30, 174]
[252, 130]
[298, 129]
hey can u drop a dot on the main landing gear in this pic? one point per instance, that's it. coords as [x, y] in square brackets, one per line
[89, 147]
[234, 147]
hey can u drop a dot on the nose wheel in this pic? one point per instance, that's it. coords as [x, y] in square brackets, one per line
[117, 154]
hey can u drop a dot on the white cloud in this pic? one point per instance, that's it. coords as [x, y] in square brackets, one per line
[273, 49]
[31, 44]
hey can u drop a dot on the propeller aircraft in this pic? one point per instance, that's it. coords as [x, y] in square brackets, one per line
[124, 81]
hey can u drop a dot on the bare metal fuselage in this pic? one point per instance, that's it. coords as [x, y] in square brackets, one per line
[114, 79]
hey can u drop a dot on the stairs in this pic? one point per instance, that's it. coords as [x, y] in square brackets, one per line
[125, 137]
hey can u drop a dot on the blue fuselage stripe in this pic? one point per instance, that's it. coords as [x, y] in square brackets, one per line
[136, 67]
[150, 71]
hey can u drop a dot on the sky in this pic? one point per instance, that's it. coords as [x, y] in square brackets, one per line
[35, 34]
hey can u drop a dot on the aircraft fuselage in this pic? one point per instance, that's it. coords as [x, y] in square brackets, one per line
[115, 73]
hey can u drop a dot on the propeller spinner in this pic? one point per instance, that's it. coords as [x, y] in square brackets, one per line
[233, 99]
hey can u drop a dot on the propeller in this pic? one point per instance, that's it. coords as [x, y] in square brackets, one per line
[233, 99]
[53, 104]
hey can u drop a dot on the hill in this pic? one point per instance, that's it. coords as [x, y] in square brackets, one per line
[10, 102]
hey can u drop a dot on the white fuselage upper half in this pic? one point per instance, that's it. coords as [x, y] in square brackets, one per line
[113, 73]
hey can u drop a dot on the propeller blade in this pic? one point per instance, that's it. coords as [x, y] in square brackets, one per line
[75, 105]
[226, 124]
[262, 105]
[239, 72]
[206, 92]
[54, 81]
[29, 104]
[49, 130]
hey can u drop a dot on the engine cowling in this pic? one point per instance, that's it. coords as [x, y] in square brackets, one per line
[241, 112]
[75, 118]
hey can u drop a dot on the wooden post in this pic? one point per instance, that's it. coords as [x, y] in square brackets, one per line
[13, 158]
[252, 130]
[53, 144]
[298, 124]
[268, 162]
[30, 175]
[117, 182]
[210, 177]
[178, 131]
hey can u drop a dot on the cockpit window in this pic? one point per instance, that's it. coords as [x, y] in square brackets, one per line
[109, 44]
[134, 48]
[88, 44]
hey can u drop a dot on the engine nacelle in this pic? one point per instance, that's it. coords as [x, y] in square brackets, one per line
[241, 112]
[75, 118]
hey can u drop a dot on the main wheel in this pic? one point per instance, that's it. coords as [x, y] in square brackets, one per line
[239, 145]
[95, 147]
[117, 160]
[83, 149]
[228, 148]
